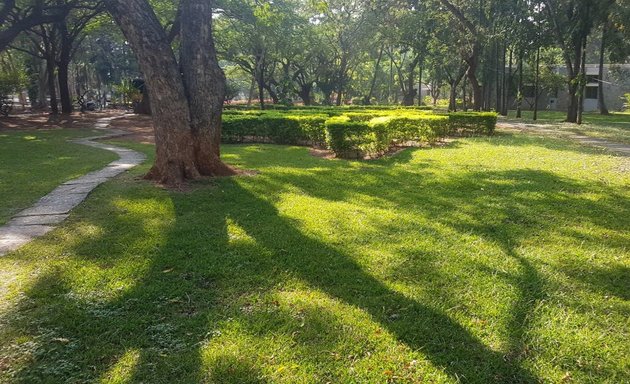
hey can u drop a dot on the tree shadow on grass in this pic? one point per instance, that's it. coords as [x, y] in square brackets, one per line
[181, 284]
[164, 314]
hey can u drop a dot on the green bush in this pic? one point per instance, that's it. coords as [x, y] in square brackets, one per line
[276, 128]
[472, 123]
[355, 139]
[354, 134]
[414, 127]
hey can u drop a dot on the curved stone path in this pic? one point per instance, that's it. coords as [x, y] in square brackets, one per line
[55, 207]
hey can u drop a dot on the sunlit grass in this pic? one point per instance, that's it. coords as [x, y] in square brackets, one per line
[33, 163]
[500, 259]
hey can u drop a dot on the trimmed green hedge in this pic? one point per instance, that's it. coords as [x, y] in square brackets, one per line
[275, 128]
[350, 138]
[472, 123]
[356, 139]
[367, 133]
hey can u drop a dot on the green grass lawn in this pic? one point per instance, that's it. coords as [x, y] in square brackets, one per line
[501, 259]
[614, 127]
[33, 163]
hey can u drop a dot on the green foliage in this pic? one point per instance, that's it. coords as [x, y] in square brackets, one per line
[471, 123]
[355, 139]
[128, 93]
[273, 127]
[13, 78]
[351, 133]
[420, 128]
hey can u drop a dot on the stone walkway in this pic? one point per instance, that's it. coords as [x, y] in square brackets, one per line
[547, 129]
[55, 207]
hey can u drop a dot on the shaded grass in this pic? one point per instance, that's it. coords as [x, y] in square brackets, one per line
[33, 163]
[493, 260]
[614, 127]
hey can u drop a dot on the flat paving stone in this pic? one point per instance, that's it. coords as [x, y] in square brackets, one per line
[14, 236]
[55, 207]
[38, 220]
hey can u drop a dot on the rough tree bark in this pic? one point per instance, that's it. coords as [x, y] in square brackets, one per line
[63, 65]
[186, 120]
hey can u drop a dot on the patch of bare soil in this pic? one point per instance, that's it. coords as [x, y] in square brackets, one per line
[41, 121]
[139, 127]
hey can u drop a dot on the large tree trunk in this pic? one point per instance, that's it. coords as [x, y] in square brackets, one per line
[305, 93]
[52, 89]
[573, 72]
[204, 83]
[473, 62]
[178, 123]
[63, 69]
[64, 89]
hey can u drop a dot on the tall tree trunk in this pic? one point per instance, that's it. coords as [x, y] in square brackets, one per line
[536, 84]
[273, 94]
[499, 86]
[390, 84]
[581, 83]
[507, 84]
[573, 77]
[305, 93]
[410, 95]
[204, 83]
[260, 79]
[251, 92]
[64, 89]
[464, 104]
[368, 97]
[420, 101]
[178, 121]
[341, 79]
[601, 103]
[42, 84]
[519, 92]
[473, 62]
[52, 89]
[454, 82]
[63, 69]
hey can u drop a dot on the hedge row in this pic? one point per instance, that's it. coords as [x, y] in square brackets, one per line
[353, 138]
[275, 128]
[472, 123]
[353, 134]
